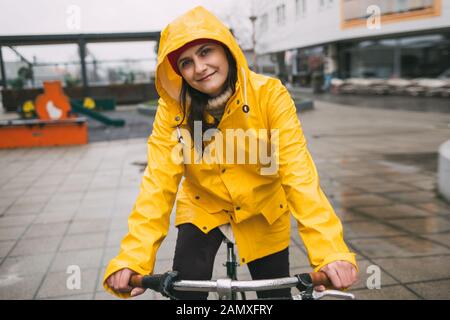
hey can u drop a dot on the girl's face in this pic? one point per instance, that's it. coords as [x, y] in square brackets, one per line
[205, 68]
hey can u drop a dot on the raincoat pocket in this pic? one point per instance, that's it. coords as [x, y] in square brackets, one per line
[275, 207]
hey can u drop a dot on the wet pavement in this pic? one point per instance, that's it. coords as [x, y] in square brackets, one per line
[390, 102]
[137, 125]
[68, 206]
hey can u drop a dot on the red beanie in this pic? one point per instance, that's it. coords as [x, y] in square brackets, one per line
[175, 55]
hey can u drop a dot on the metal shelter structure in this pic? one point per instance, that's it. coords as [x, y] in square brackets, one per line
[80, 39]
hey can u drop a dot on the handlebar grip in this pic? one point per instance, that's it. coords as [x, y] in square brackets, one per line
[320, 278]
[153, 281]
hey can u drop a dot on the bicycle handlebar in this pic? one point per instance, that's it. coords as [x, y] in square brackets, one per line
[156, 282]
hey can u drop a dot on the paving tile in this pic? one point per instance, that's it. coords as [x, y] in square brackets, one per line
[108, 254]
[119, 223]
[436, 290]
[412, 197]
[16, 221]
[436, 207]
[363, 201]
[442, 238]
[367, 229]
[407, 178]
[99, 287]
[33, 247]
[26, 265]
[55, 284]
[106, 296]
[86, 296]
[166, 250]
[428, 185]
[361, 179]
[61, 206]
[6, 201]
[163, 265]
[46, 230]
[5, 247]
[115, 237]
[366, 271]
[385, 187]
[348, 215]
[394, 211]
[24, 209]
[83, 241]
[339, 191]
[12, 193]
[87, 226]
[423, 225]
[417, 269]
[49, 180]
[93, 213]
[36, 199]
[297, 258]
[85, 259]
[147, 295]
[14, 287]
[403, 246]
[11, 233]
[53, 217]
[41, 191]
[386, 293]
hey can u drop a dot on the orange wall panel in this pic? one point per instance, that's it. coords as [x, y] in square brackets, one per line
[42, 135]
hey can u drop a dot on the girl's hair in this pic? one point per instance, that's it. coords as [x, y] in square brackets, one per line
[199, 100]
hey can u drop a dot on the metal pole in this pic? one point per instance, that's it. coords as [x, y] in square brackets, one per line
[255, 65]
[2, 69]
[82, 50]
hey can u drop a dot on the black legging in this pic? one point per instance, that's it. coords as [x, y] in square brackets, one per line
[194, 260]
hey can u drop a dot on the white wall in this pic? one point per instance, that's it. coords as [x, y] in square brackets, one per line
[320, 26]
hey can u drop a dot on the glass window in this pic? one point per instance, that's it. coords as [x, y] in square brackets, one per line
[425, 56]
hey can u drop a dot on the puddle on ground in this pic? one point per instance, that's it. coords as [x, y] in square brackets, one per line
[414, 162]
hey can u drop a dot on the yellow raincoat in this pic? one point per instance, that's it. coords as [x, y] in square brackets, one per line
[256, 205]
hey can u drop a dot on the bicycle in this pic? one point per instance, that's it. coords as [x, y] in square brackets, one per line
[227, 288]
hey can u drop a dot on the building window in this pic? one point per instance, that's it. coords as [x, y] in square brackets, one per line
[321, 5]
[264, 22]
[325, 4]
[300, 8]
[423, 56]
[281, 14]
[354, 12]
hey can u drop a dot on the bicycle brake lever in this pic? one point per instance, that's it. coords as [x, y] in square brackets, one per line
[317, 295]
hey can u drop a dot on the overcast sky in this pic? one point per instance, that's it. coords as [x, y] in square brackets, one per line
[18, 17]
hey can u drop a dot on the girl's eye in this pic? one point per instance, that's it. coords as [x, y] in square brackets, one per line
[205, 51]
[185, 63]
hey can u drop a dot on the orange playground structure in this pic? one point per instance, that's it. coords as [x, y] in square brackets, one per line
[55, 126]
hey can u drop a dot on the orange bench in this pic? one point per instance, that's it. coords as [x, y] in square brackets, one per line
[41, 133]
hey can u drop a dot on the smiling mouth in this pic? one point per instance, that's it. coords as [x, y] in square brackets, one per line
[207, 76]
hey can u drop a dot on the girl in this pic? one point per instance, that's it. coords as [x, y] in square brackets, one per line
[235, 137]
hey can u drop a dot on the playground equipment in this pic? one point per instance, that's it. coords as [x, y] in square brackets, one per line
[51, 121]
[79, 108]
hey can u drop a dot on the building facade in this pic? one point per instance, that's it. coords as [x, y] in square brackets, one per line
[385, 39]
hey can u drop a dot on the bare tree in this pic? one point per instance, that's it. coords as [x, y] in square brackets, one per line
[236, 16]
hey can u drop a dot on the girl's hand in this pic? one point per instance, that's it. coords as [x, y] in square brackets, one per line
[341, 273]
[119, 282]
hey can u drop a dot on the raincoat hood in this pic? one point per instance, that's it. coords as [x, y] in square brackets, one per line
[195, 24]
